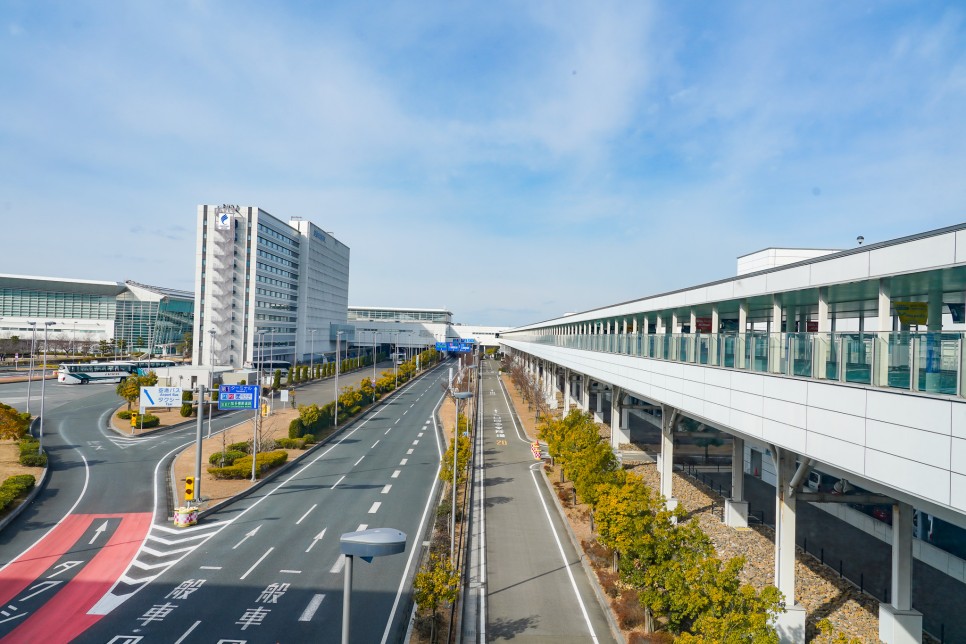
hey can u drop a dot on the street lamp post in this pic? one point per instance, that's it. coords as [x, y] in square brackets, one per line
[30, 373]
[271, 356]
[43, 386]
[458, 395]
[395, 358]
[338, 337]
[201, 401]
[312, 355]
[261, 357]
[374, 359]
[375, 542]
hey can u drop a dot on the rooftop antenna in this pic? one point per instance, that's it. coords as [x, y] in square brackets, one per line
[860, 239]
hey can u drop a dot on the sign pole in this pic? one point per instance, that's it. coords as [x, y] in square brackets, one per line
[201, 420]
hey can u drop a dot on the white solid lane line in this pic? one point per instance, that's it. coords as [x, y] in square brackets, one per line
[254, 565]
[311, 608]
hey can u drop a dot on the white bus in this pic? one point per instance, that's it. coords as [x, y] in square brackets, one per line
[86, 373]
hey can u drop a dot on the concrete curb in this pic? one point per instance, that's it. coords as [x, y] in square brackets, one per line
[588, 569]
[38, 486]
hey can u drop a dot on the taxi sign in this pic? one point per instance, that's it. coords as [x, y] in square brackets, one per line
[160, 397]
[238, 397]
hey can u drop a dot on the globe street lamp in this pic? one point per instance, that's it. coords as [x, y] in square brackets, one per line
[375, 542]
[458, 395]
[43, 385]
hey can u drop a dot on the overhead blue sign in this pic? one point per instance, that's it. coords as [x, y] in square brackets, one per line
[454, 347]
[238, 397]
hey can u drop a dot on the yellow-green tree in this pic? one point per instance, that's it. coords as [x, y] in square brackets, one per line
[462, 460]
[130, 388]
[13, 424]
[437, 582]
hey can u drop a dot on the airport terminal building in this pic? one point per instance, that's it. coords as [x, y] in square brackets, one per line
[84, 313]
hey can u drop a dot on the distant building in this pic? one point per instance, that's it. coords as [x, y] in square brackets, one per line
[412, 329]
[86, 312]
[267, 292]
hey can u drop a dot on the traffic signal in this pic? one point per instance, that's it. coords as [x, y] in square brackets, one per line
[189, 488]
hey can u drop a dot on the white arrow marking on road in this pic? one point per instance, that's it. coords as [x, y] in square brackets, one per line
[317, 538]
[100, 529]
[246, 537]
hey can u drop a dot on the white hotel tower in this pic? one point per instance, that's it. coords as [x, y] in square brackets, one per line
[266, 292]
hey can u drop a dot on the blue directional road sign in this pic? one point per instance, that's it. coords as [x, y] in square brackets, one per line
[238, 397]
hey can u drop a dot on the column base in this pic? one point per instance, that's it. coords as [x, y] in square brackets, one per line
[620, 436]
[791, 625]
[736, 513]
[899, 626]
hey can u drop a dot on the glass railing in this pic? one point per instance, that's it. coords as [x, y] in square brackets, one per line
[926, 362]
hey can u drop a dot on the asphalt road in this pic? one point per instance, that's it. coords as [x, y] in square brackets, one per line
[64, 562]
[536, 588]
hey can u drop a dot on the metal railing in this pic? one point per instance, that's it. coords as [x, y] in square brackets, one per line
[930, 362]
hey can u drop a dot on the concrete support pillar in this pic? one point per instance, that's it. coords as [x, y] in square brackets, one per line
[740, 360]
[669, 419]
[791, 624]
[775, 337]
[585, 392]
[898, 622]
[821, 341]
[567, 391]
[619, 432]
[880, 365]
[714, 358]
[599, 407]
[736, 508]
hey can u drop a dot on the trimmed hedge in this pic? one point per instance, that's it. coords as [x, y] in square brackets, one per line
[186, 409]
[14, 487]
[309, 439]
[124, 414]
[295, 428]
[30, 454]
[230, 457]
[290, 443]
[245, 447]
[242, 468]
[148, 420]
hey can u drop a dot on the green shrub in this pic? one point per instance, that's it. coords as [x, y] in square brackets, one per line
[186, 409]
[124, 414]
[295, 428]
[242, 468]
[147, 421]
[14, 487]
[229, 456]
[291, 443]
[245, 447]
[187, 395]
[308, 438]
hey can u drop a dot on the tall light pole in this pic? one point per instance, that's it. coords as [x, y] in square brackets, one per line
[312, 356]
[373, 358]
[201, 406]
[211, 358]
[338, 337]
[374, 542]
[30, 373]
[43, 386]
[458, 395]
[261, 357]
[395, 359]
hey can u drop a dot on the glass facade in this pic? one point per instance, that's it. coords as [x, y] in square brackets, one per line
[30, 303]
[161, 324]
[400, 315]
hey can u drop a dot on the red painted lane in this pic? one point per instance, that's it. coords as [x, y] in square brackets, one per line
[26, 568]
[64, 617]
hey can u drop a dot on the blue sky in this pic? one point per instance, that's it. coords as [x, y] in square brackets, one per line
[511, 161]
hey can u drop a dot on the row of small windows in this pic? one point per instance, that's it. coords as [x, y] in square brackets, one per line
[262, 228]
[278, 271]
[282, 249]
[275, 282]
[422, 316]
[273, 306]
[274, 318]
[277, 259]
[281, 296]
